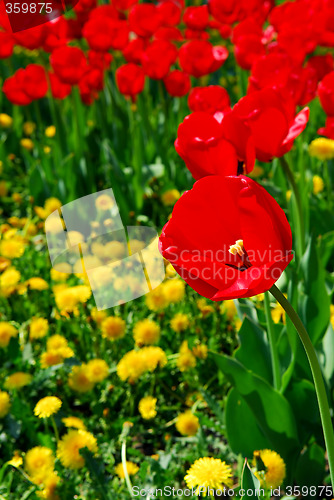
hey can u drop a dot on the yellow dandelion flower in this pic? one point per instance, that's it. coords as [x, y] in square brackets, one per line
[278, 314]
[97, 370]
[50, 484]
[204, 307]
[69, 447]
[104, 202]
[131, 468]
[200, 351]
[78, 379]
[113, 328]
[52, 204]
[56, 342]
[146, 332]
[39, 463]
[153, 357]
[318, 184]
[136, 363]
[187, 423]
[10, 277]
[12, 248]
[98, 316]
[4, 404]
[6, 121]
[169, 197]
[322, 148]
[74, 422]
[180, 322]
[50, 131]
[16, 461]
[207, 473]
[29, 128]
[38, 328]
[37, 284]
[7, 331]
[147, 406]
[61, 274]
[17, 380]
[275, 468]
[229, 309]
[47, 406]
[174, 290]
[156, 299]
[186, 359]
[27, 144]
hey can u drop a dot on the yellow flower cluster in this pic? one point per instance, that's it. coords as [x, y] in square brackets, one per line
[57, 350]
[136, 363]
[169, 292]
[186, 359]
[180, 322]
[7, 331]
[84, 377]
[113, 328]
[4, 404]
[68, 298]
[47, 406]
[187, 423]
[38, 328]
[207, 473]
[147, 406]
[17, 380]
[131, 469]
[39, 465]
[146, 332]
[275, 468]
[69, 447]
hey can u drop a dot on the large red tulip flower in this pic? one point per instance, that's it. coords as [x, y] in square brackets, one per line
[227, 238]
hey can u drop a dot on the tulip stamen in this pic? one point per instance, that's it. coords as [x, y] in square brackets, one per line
[239, 249]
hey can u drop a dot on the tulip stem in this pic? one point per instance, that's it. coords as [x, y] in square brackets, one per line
[296, 192]
[319, 384]
[273, 344]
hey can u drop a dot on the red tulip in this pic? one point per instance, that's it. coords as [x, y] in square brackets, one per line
[124, 4]
[144, 19]
[157, 59]
[130, 80]
[177, 83]
[196, 18]
[328, 130]
[322, 65]
[69, 64]
[6, 44]
[199, 57]
[271, 117]
[227, 238]
[170, 12]
[26, 85]
[103, 34]
[326, 93]
[59, 89]
[211, 147]
[209, 99]
[134, 50]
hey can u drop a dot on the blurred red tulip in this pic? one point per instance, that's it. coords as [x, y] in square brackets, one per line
[209, 99]
[130, 80]
[69, 64]
[199, 57]
[326, 93]
[177, 83]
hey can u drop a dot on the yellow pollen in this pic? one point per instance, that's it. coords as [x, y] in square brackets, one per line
[237, 248]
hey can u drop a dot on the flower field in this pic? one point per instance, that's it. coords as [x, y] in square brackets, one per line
[213, 124]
